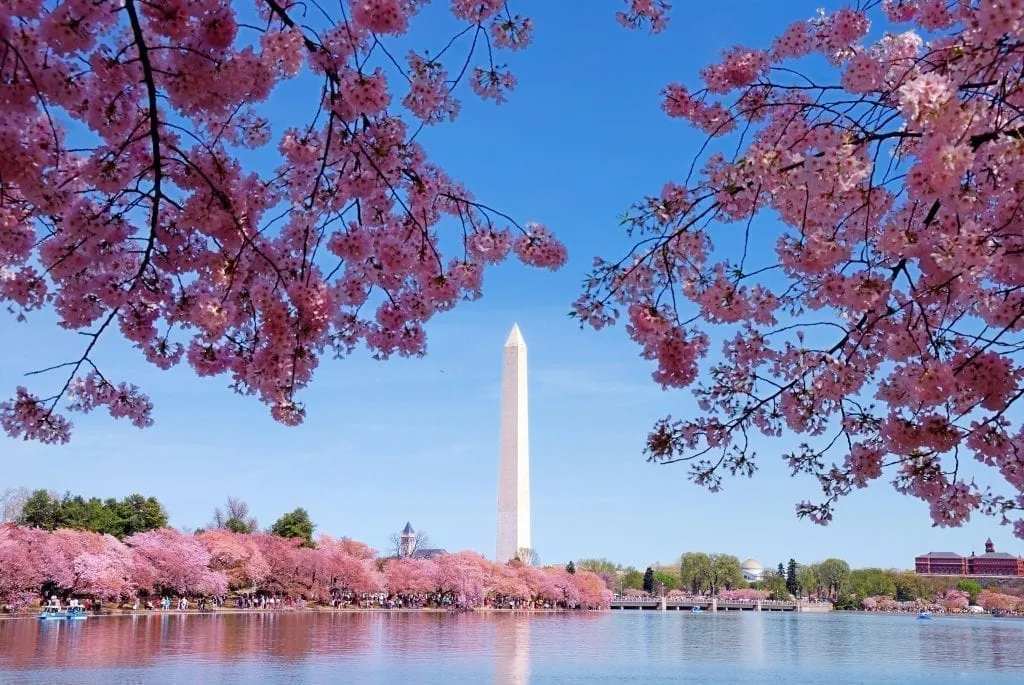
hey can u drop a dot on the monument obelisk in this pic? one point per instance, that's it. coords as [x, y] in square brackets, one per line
[514, 457]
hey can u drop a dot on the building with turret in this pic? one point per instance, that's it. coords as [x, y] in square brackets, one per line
[991, 563]
[410, 545]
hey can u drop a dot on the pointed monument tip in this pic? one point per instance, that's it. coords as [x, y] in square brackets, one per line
[515, 337]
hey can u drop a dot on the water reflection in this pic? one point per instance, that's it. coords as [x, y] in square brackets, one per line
[512, 650]
[140, 641]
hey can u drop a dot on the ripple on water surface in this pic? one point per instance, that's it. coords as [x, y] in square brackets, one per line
[414, 648]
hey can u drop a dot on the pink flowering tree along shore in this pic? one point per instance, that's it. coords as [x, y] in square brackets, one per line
[130, 204]
[844, 260]
[338, 572]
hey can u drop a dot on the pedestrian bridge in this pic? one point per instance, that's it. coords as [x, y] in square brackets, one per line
[714, 604]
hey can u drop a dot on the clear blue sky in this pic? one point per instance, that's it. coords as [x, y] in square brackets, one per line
[580, 140]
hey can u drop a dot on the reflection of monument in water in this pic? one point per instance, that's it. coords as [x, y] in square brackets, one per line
[514, 455]
[512, 650]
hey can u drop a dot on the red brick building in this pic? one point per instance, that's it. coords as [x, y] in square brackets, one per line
[991, 563]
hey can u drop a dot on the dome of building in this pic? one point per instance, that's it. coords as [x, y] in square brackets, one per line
[752, 570]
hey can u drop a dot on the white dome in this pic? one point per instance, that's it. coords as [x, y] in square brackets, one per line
[752, 565]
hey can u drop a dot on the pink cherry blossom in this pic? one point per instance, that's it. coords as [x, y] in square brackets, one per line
[170, 561]
[850, 269]
[130, 207]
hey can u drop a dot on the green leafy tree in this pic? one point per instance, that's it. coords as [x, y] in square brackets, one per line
[632, 578]
[871, 582]
[694, 572]
[597, 565]
[834, 574]
[781, 569]
[665, 579]
[295, 524]
[808, 580]
[775, 583]
[726, 573]
[570, 568]
[971, 587]
[40, 511]
[138, 514]
[649, 580]
[792, 585]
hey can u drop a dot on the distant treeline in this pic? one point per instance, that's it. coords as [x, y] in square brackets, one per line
[118, 517]
[831, 579]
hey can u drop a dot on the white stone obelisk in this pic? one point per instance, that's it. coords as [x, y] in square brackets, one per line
[514, 458]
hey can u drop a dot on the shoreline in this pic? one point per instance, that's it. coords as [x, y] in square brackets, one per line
[313, 610]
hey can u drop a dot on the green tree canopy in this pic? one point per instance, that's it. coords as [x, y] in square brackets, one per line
[120, 518]
[295, 524]
[792, 584]
[666, 579]
[597, 565]
[632, 578]
[871, 582]
[649, 580]
[833, 574]
[726, 573]
[971, 587]
[807, 579]
[694, 571]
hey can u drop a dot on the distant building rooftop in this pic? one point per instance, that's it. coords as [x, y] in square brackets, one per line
[941, 555]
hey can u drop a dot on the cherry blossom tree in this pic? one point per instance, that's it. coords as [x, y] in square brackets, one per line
[237, 555]
[409, 576]
[593, 592]
[461, 576]
[848, 236]
[166, 560]
[345, 571]
[132, 203]
[954, 600]
[993, 600]
[104, 567]
[287, 571]
[744, 594]
[20, 577]
[505, 581]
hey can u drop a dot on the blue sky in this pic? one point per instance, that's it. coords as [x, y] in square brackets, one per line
[581, 139]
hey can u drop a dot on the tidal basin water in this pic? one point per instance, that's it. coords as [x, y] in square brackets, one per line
[409, 649]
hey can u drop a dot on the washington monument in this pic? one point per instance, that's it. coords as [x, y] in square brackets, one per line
[514, 458]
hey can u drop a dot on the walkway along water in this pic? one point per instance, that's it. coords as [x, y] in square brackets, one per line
[715, 604]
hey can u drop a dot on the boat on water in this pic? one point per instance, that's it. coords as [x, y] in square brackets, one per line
[53, 611]
[924, 616]
[696, 610]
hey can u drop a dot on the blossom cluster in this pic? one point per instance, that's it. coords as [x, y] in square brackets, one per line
[854, 256]
[166, 561]
[129, 203]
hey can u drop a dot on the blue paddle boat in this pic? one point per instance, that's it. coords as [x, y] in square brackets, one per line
[696, 610]
[52, 612]
[76, 613]
[924, 616]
